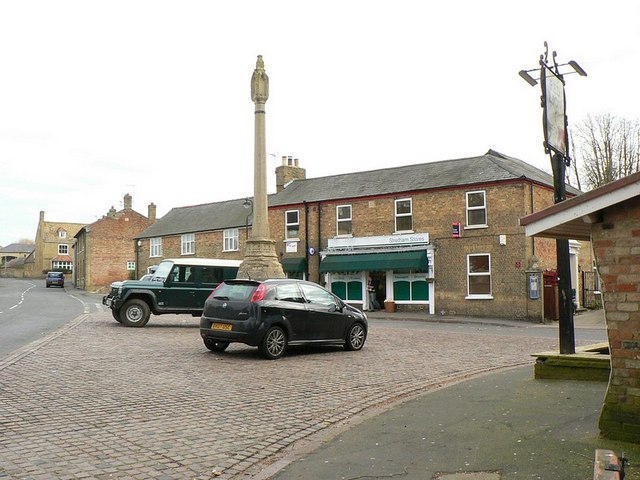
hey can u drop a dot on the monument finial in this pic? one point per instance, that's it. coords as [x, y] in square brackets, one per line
[259, 83]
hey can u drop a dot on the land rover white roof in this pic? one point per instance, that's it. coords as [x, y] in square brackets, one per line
[205, 262]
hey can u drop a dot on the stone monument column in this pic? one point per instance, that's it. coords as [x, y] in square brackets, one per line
[260, 258]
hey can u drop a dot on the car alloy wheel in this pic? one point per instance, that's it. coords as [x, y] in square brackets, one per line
[274, 343]
[355, 337]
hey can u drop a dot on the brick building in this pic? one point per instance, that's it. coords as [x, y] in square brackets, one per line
[610, 217]
[212, 230]
[53, 247]
[105, 250]
[442, 237]
[14, 251]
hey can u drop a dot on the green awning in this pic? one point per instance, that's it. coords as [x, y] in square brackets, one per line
[294, 264]
[415, 260]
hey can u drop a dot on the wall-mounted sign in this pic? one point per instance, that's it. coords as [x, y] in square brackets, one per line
[312, 251]
[291, 247]
[355, 243]
[455, 229]
[534, 286]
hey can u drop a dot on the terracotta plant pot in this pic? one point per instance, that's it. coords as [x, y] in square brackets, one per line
[389, 306]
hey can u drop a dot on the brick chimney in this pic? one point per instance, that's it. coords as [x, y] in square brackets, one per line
[288, 171]
[128, 201]
[151, 215]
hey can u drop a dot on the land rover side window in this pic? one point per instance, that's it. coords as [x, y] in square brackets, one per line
[183, 274]
[213, 275]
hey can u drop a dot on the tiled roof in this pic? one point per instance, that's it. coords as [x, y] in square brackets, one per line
[200, 218]
[487, 168]
[490, 167]
[18, 248]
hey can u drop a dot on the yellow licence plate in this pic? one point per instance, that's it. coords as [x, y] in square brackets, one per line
[221, 326]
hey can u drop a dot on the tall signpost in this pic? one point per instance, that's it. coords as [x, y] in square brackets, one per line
[556, 145]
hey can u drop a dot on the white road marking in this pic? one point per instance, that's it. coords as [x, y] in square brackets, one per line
[22, 297]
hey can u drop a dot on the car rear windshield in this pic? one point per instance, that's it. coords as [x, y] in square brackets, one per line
[54, 275]
[235, 291]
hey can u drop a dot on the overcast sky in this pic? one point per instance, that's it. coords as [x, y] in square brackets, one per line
[152, 98]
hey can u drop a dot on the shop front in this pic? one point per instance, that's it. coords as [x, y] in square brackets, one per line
[399, 268]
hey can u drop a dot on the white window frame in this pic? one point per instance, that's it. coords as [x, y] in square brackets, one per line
[62, 234]
[188, 244]
[155, 247]
[287, 224]
[469, 209]
[61, 265]
[231, 238]
[344, 220]
[131, 265]
[481, 296]
[402, 215]
[63, 249]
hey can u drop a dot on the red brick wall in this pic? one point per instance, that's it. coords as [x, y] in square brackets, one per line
[616, 243]
[109, 246]
[434, 212]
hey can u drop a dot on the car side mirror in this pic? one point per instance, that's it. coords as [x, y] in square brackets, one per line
[335, 308]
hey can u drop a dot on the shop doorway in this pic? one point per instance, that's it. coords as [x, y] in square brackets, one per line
[379, 280]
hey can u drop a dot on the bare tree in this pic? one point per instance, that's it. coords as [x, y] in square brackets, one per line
[607, 147]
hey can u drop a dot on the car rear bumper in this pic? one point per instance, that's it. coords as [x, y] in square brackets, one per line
[241, 332]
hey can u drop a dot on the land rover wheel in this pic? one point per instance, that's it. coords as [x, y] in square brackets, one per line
[116, 315]
[274, 343]
[135, 313]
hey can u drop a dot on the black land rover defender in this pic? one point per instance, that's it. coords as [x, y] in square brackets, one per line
[177, 286]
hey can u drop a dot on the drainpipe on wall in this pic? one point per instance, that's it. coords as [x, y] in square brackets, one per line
[533, 240]
[320, 247]
[306, 238]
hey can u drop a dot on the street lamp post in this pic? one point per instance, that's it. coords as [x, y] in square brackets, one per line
[248, 204]
[556, 145]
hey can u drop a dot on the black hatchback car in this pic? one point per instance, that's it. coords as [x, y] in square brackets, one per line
[274, 314]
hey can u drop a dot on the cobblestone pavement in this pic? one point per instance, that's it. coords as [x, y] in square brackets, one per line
[97, 400]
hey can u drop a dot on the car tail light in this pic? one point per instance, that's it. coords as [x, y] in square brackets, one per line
[214, 291]
[259, 294]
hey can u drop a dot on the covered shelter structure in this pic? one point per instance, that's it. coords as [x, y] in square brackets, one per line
[610, 217]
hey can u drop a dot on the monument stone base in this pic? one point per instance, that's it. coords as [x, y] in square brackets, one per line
[260, 260]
